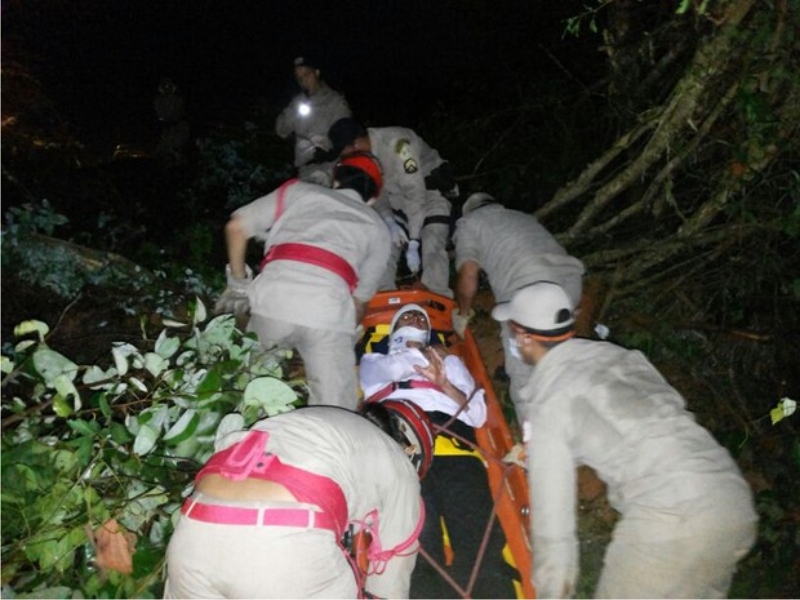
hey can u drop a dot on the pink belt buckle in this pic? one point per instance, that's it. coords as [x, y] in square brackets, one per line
[247, 455]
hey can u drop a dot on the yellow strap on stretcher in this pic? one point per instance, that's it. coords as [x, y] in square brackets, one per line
[447, 446]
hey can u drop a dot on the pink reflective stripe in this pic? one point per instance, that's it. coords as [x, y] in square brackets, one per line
[281, 197]
[313, 255]
[403, 385]
[234, 515]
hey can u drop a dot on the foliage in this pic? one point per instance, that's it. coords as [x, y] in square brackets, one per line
[85, 443]
[235, 164]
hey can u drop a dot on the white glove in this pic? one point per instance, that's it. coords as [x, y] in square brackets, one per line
[234, 299]
[460, 321]
[399, 235]
[412, 256]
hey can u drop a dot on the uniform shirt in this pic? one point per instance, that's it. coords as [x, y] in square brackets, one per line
[378, 370]
[369, 466]
[593, 403]
[335, 220]
[406, 160]
[514, 250]
[311, 131]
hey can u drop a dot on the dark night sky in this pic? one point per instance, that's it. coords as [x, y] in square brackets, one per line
[397, 62]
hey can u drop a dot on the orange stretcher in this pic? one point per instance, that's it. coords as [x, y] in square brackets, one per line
[508, 482]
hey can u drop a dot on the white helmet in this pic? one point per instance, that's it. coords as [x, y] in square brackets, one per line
[543, 308]
[398, 337]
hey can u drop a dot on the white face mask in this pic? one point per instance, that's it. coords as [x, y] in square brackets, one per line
[513, 348]
[402, 336]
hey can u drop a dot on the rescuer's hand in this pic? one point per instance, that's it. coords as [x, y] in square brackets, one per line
[413, 259]
[234, 299]
[460, 322]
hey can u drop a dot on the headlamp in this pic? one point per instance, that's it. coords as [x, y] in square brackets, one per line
[304, 109]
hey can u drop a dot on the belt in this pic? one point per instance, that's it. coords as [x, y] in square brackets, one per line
[403, 385]
[313, 255]
[235, 515]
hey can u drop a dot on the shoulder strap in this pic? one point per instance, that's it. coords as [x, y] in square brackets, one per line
[279, 205]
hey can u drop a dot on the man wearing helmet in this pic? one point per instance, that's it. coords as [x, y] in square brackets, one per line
[687, 514]
[414, 203]
[456, 491]
[514, 250]
[273, 508]
[324, 253]
[309, 116]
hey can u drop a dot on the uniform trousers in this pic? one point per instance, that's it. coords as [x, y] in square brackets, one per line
[433, 249]
[697, 561]
[328, 356]
[212, 560]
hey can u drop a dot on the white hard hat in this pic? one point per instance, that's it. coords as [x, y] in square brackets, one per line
[477, 200]
[543, 308]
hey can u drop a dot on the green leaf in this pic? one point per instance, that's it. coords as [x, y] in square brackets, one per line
[785, 408]
[172, 323]
[154, 363]
[24, 345]
[62, 406]
[200, 312]
[64, 386]
[272, 395]
[6, 364]
[212, 382]
[102, 403]
[64, 461]
[166, 346]
[50, 364]
[145, 441]
[81, 427]
[138, 384]
[230, 423]
[120, 360]
[32, 326]
[183, 429]
[94, 375]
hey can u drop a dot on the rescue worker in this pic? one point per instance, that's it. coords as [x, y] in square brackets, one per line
[686, 512]
[309, 116]
[325, 251]
[456, 491]
[274, 508]
[413, 204]
[514, 250]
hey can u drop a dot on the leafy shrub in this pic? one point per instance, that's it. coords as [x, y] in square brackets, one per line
[83, 444]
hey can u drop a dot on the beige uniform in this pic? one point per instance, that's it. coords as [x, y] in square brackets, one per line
[209, 560]
[326, 107]
[687, 514]
[407, 160]
[515, 250]
[308, 307]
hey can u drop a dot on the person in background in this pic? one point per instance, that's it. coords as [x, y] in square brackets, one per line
[456, 491]
[325, 252]
[272, 509]
[686, 513]
[171, 150]
[414, 204]
[514, 250]
[308, 117]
